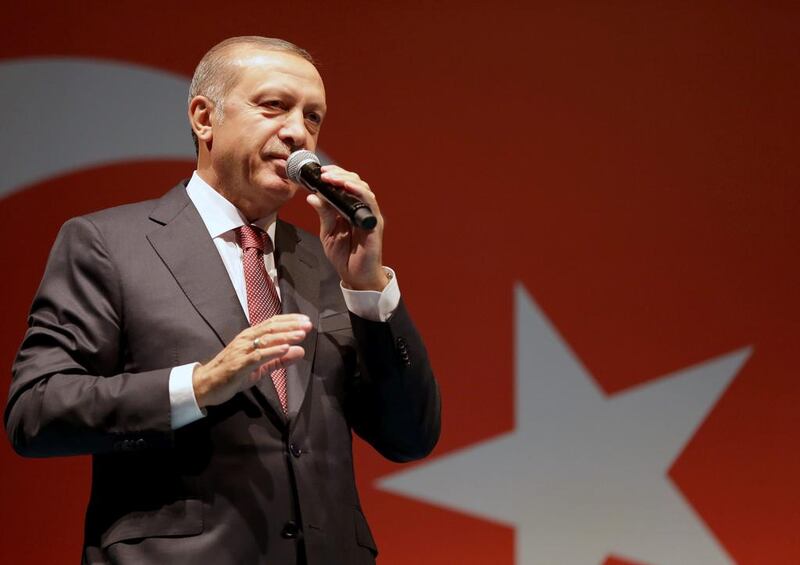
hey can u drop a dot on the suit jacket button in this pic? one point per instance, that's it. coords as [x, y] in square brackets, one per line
[290, 530]
[295, 450]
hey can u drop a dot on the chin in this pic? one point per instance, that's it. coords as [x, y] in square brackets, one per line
[278, 190]
[286, 189]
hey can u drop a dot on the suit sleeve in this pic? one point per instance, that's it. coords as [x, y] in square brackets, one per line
[396, 403]
[69, 394]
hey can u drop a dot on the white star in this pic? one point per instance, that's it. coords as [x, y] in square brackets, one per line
[583, 475]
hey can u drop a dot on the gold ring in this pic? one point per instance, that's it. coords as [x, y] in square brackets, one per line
[256, 343]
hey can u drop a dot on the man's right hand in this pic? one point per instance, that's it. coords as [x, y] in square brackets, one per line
[270, 344]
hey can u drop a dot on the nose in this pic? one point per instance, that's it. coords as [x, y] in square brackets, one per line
[293, 130]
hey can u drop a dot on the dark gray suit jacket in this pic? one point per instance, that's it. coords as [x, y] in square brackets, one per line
[129, 293]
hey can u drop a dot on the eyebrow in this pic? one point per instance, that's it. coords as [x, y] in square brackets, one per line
[286, 93]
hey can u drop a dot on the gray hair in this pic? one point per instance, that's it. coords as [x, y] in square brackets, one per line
[215, 76]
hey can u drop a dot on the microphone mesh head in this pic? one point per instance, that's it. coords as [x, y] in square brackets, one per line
[296, 161]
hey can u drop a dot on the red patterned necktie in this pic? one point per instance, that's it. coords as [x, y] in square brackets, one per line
[262, 298]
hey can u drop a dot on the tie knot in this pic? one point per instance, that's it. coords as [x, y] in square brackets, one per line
[251, 237]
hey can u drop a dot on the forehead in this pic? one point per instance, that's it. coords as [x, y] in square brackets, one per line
[261, 69]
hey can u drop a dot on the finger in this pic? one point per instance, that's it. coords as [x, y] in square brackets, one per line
[337, 170]
[364, 192]
[292, 356]
[278, 358]
[348, 182]
[337, 175]
[266, 330]
[327, 214]
[258, 357]
[352, 183]
[266, 355]
[250, 353]
[277, 324]
[289, 337]
[286, 317]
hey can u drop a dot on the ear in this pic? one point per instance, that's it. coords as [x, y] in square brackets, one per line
[200, 113]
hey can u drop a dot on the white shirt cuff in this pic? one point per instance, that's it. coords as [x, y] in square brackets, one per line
[373, 305]
[183, 404]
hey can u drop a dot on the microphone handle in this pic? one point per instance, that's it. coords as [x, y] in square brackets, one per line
[356, 211]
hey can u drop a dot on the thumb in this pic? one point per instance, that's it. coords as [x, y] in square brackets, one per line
[326, 212]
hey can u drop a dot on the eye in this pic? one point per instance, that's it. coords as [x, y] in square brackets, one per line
[314, 118]
[272, 104]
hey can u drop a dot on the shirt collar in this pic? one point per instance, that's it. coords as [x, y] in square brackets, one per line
[218, 213]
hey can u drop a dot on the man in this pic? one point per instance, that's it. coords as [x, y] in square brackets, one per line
[221, 431]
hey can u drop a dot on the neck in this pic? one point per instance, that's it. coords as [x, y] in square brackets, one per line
[249, 208]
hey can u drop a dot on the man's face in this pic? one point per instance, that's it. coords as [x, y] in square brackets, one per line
[275, 107]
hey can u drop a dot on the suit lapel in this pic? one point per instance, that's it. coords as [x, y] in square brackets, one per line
[183, 244]
[189, 253]
[298, 278]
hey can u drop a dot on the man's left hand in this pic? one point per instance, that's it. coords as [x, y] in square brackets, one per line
[355, 253]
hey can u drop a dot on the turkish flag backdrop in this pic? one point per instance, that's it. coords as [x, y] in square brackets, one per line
[633, 164]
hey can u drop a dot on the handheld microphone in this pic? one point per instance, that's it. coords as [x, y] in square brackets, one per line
[303, 167]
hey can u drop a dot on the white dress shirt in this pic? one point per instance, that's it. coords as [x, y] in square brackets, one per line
[221, 218]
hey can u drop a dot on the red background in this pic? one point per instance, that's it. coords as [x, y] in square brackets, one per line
[634, 164]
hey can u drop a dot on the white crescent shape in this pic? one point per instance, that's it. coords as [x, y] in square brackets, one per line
[61, 115]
